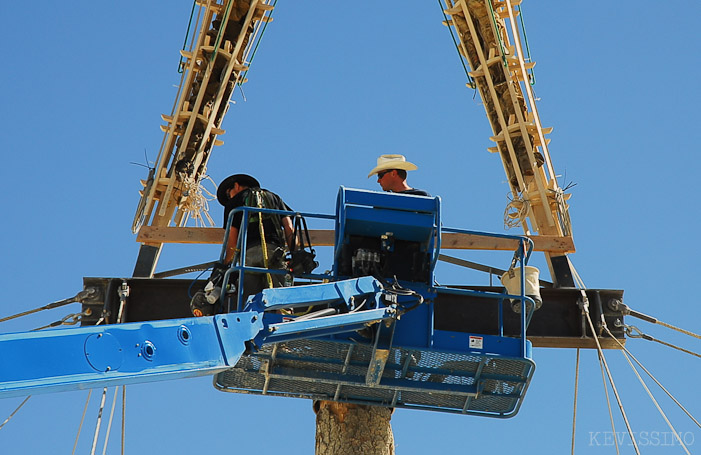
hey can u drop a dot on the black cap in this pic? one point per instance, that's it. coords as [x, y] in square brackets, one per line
[228, 183]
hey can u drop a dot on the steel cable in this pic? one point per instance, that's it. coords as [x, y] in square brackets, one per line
[124, 414]
[70, 319]
[608, 402]
[653, 320]
[471, 82]
[99, 421]
[79, 298]
[14, 412]
[574, 407]
[659, 409]
[630, 329]
[109, 423]
[678, 329]
[82, 419]
[585, 308]
[656, 381]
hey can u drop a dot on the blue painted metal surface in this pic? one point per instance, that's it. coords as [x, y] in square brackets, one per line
[373, 341]
[81, 358]
[403, 362]
[374, 214]
[322, 293]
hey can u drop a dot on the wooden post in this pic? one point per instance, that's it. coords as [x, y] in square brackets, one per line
[350, 429]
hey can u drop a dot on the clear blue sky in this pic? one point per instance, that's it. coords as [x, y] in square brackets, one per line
[334, 84]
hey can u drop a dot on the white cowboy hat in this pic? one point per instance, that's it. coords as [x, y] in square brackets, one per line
[392, 162]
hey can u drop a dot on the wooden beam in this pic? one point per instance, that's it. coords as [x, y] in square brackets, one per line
[571, 343]
[550, 243]
[454, 241]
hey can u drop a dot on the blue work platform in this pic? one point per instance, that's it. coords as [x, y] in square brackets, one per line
[404, 362]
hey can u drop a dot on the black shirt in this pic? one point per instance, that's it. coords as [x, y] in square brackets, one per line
[415, 192]
[272, 225]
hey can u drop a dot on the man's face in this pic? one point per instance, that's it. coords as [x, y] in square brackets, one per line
[234, 190]
[386, 179]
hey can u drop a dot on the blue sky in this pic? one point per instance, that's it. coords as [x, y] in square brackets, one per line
[334, 85]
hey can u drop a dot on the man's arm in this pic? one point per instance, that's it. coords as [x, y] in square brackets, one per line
[289, 230]
[231, 245]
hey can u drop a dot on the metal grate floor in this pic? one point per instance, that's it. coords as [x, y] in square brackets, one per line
[418, 379]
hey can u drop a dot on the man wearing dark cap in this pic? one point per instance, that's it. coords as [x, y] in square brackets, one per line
[268, 236]
[241, 190]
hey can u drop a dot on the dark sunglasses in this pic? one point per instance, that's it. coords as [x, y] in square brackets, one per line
[382, 174]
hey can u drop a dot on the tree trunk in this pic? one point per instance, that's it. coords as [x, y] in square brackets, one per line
[349, 429]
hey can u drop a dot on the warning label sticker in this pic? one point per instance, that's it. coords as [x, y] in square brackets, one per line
[476, 342]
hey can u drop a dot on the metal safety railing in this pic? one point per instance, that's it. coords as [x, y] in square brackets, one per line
[238, 263]
[521, 257]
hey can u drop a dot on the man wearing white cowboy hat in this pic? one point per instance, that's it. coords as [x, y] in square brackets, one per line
[391, 174]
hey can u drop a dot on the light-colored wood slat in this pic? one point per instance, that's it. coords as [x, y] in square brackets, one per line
[240, 67]
[455, 10]
[505, 14]
[209, 50]
[161, 234]
[322, 237]
[216, 8]
[572, 343]
[502, 4]
[548, 243]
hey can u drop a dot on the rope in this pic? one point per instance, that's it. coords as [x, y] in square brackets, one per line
[123, 295]
[656, 381]
[585, 308]
[496, 32]
[187, 33]
[629, 331]
[220, 32]
[525, 41]
[15, 411]
[82, 419]
[471, 82]
[79, 297]
[686, 332]
[608, 402]
[124, 417]
[263, 243]
[196, 205]
[99, 421]
[675, 347]
[659, 409]
[516, 211]
[70, 319]
[255, 47]
[653, 320]
[576, 389]
[109, 424]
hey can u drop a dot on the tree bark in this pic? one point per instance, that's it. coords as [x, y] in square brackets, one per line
[349, 429]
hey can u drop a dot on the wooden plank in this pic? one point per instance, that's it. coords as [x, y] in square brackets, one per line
[320, 237]
[571, 343]
[550, 243]
[161, 234]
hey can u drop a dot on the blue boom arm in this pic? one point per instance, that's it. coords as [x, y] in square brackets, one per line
[88, 357]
